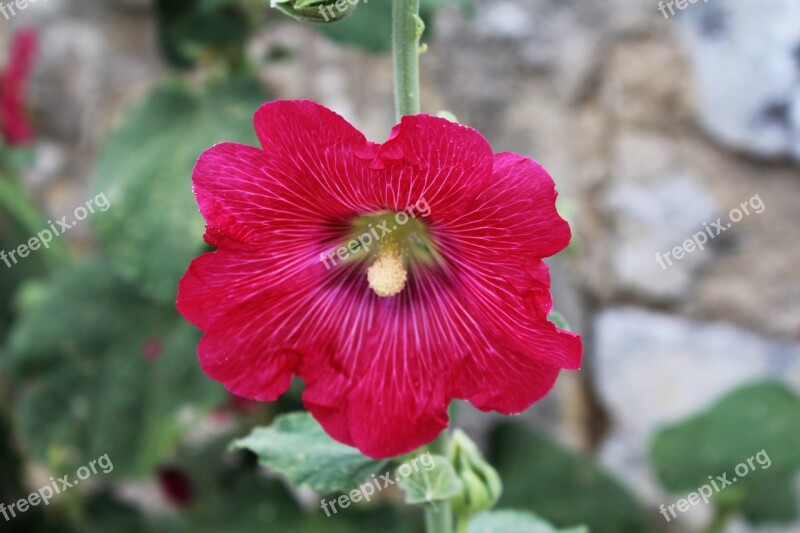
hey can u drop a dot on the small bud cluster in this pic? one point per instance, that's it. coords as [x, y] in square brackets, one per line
[317, 11]
[481, 485]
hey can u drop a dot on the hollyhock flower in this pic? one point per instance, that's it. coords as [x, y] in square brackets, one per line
[13, 79]
[450, 303]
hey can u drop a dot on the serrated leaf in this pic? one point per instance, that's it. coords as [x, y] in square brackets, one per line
[296, 446]
[502, 521]
[98, 370]
[430, 485]
[153, 228]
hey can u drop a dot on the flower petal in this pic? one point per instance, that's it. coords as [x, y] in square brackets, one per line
[431, 158]
[298, 128]
[218, 281]
[527, 195]
[313, 171]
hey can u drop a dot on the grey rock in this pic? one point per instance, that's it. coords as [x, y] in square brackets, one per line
[653, 220]
[746, 61]
[503, 19]
[654, 206]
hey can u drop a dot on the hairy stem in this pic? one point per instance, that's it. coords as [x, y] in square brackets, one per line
[406, 31]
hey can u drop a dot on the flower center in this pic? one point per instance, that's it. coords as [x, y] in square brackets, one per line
[391, 244]
[387, 276]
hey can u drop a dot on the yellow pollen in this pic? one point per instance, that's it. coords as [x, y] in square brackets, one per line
[387, 276]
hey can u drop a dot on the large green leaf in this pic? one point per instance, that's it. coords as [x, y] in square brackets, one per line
[515, 522]
[98, 370]
[755, 428]
[562, 487]
[296, 446]
[153, 228]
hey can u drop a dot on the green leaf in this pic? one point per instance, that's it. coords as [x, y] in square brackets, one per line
[563, 487]
[772, 501]
[296, 446]
[98, 370]
[430, 485]
[515, 522]
[764, 419]
[153, 228]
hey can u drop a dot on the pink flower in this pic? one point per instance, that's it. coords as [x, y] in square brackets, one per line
[13, 79]
[451, 303]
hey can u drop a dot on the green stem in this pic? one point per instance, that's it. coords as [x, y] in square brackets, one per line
[438, 516]
[406, 31]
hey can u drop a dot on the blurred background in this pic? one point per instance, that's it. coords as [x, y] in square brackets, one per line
[654, 120]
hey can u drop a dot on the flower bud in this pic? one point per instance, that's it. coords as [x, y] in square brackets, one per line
[317, 11]
[480, 481]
